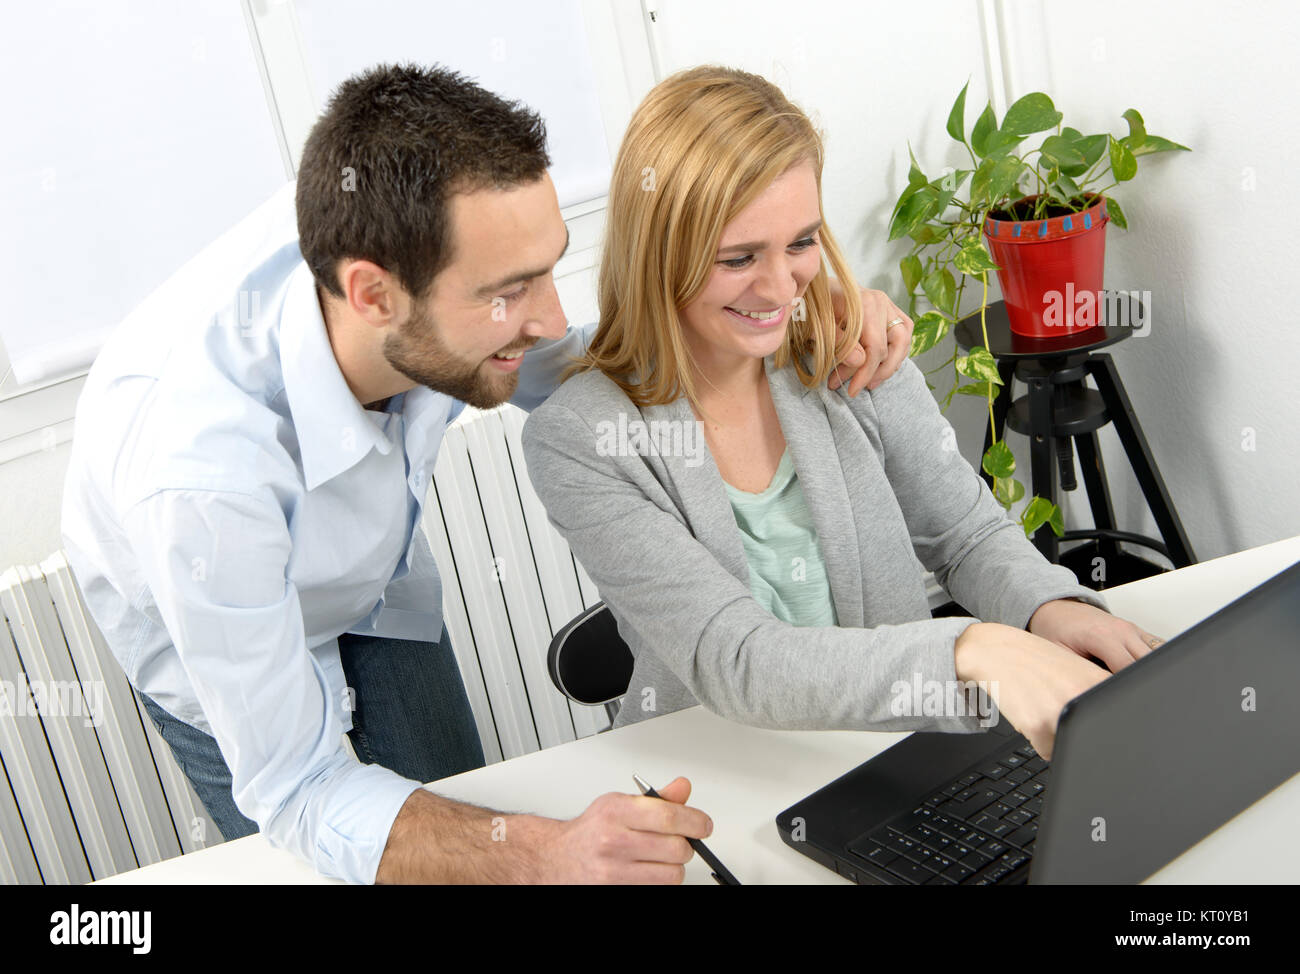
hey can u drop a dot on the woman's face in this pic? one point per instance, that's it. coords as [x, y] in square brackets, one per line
[765, 259]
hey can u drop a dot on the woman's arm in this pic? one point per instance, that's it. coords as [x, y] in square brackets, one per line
[959, 531]
[701, 621]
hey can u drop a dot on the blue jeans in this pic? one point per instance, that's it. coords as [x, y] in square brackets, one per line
[410, 715]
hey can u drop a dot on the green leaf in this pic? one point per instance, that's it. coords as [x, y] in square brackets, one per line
[973, 259]
[1006, 175]
[930, 330]
[1090, 147]
[998, 461]
[982, 389]
[1032, 113]
[1122, 164]
[1008, 491]
[1057, 521]
[919, 208]
[924, 234]
[1137, 131]
[941, 288]
[985, 126]
[1061, 151]
[1000, 143]
[979, 183]
[1154, 143]
[1116, 214]
[1037, 513]
[1068, 187]
[957, 117]
[1074, 135]
[911, 268]
[979, 364]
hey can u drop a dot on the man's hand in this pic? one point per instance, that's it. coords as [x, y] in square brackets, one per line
[1090, 632]
[883, 347]
[628, 839]
[618, 839]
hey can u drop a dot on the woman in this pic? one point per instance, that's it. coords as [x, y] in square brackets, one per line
[773, 576]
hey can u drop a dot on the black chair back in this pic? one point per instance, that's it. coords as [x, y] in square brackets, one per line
[588, 660]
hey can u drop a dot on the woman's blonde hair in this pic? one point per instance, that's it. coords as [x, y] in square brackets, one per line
[700, 148]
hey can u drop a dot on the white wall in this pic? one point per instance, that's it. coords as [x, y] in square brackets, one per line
[1215, 253]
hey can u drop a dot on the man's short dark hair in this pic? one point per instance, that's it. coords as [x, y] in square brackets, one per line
[383, 160]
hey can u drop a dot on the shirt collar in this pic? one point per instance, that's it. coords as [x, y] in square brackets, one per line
[334, 430]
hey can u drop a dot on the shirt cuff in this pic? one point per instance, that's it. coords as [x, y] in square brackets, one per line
[351, 841]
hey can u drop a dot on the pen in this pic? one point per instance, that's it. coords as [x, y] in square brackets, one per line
[720, 872]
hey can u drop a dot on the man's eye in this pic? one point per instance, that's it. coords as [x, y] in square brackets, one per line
[515, 295]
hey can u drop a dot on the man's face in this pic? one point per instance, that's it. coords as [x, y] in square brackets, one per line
[492, 302]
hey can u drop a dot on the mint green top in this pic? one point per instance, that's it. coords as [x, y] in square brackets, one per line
[787, 574]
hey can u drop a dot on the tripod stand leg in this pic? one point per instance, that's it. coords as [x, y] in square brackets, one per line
[1102, 369]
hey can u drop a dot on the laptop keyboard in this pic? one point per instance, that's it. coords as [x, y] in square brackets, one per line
[977, 831]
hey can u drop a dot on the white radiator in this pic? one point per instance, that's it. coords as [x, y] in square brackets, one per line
[89, 788]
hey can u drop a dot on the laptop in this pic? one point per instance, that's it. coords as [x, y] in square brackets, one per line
[1146, 764]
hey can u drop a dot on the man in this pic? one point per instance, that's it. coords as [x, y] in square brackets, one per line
[251, 456]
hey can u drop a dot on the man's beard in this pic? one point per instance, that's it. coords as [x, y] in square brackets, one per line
[421, 355]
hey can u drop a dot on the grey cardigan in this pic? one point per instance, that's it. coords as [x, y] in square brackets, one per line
[884, 483]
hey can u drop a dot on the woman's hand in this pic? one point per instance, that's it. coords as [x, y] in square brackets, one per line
[883, 347]
[1089, 631]
[1029, 678]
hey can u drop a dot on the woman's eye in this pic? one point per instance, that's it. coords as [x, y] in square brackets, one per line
[804, 244]
[736, 263]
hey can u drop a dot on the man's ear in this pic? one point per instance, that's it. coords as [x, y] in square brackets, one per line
[373, 293]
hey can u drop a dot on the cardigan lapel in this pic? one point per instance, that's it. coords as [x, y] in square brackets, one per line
[817, 462]
[699, 492]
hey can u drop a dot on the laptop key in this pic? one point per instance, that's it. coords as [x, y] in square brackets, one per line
[1014, 799]
[1013, 760]
[909, 871]
[1035, 764]
[1019, 776]
[939, 879]
[1020, 836]
[974, 860]
[1027, 751]
[877, 855]
[1002, 786]
[957, 872]
[993, 849]
[1019, 817]
[967, 780]
[938, 843]
[995, 771]
[920, 833]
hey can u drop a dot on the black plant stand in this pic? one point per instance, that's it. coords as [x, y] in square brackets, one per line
[1059, 412]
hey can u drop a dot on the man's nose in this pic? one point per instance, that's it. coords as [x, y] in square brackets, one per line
[546, 318]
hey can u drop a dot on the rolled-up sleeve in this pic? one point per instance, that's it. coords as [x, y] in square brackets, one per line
[215, 563]
[959, 530]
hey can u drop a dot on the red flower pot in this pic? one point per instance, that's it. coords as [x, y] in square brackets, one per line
[1051, 270]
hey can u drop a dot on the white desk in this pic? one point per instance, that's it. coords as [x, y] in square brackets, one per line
[744, 776]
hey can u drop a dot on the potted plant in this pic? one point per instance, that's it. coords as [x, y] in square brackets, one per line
[1043, 212]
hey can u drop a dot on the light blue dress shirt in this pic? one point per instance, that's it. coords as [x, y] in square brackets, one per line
[230, 509]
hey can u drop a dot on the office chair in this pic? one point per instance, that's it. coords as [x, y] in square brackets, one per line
[588, 660]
